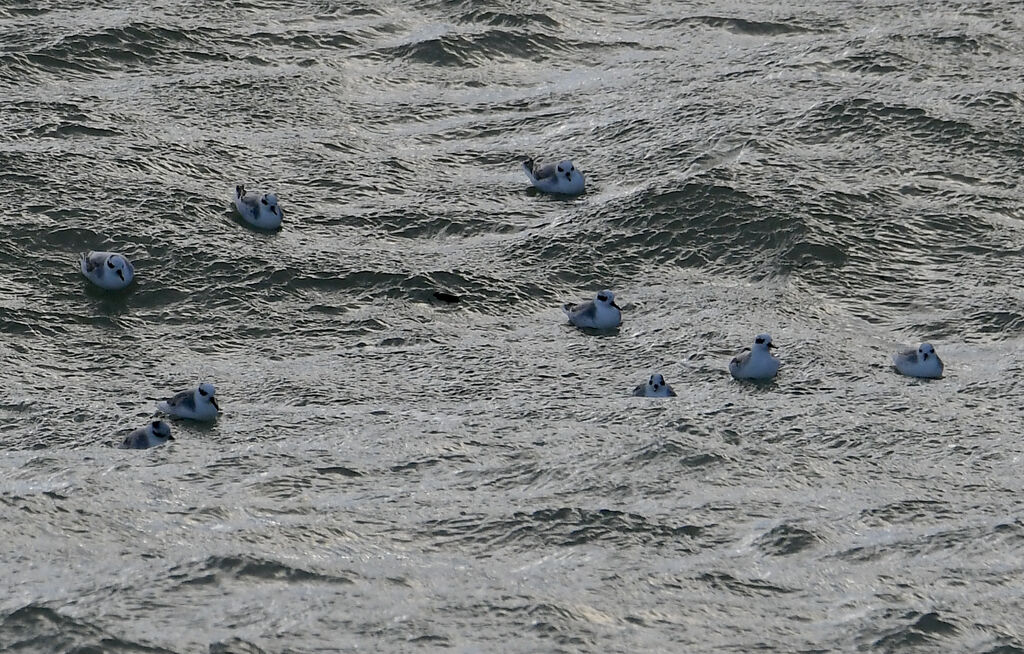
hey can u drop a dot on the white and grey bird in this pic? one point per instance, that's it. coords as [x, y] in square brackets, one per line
[562, 178]
[155, 433]
[922, 362]
[656, 386]
[109, 270]
[260, 211]
[198, 404]
[757, 362]
[599, 313]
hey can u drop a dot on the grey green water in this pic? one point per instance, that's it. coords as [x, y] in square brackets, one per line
[395, 473]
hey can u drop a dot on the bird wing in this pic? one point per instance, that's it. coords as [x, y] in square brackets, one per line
[584, 311]
[543, 172]
[741, 358]
[91, 261]
[134, 439]
[905, 356]
[248, 204]
[186, 399]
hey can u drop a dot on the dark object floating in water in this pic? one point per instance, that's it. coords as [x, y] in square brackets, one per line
[446, 297]
[339, 470]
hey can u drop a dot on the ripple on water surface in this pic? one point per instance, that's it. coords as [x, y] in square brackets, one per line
[410, 430]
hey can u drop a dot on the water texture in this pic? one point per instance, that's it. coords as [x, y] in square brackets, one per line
[394, 472]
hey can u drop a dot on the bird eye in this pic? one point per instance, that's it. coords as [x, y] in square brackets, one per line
[110, 263]
[571, 168]
[759, 341]
[156, 424]
[202, 392]
[603, 298]
[263, 200]
[560, 169]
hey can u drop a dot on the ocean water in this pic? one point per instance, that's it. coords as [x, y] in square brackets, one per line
[393, 472]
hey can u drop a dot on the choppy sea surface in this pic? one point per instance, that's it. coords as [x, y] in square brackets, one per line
[393, 472]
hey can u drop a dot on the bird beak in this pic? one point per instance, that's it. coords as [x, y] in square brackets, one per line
[120, 274]
[925, 356]
[169, 437]
[616, 306]
[771, 346]
[213, 401]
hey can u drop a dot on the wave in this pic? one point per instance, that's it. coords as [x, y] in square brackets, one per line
[41, 629]
[564, 527]
[235, 646]
[471, 50]
[787, 539]
[918, 630]
[135, 43]
[217, 569]
[747, 26]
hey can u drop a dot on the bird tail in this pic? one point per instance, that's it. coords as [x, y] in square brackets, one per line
[528, 169]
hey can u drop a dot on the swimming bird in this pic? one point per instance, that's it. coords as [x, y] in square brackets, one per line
[599, 313]
[757, 362]
[922, 362]
[260, 211]
[656, 386]
[109, 270]
[155, 433]
[198, 404]
[562, 178]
